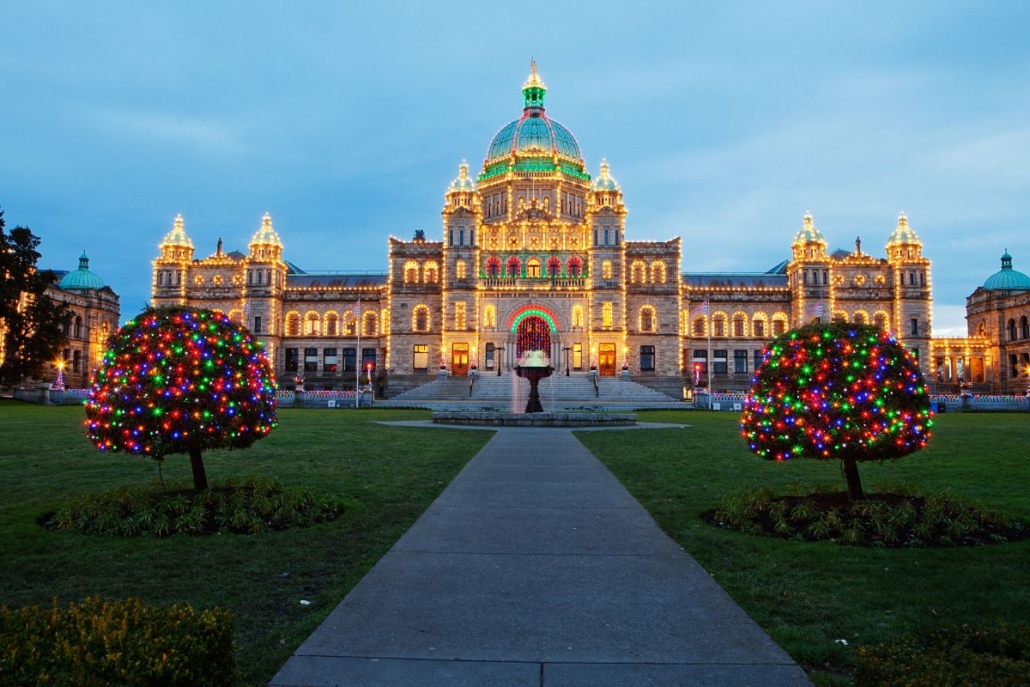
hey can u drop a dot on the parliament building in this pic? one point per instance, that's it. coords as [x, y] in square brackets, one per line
[535, 253]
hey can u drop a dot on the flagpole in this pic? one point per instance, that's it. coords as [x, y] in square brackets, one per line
[357, 357]
[708, 362]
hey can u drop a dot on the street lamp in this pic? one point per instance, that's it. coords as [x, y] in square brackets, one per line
[499, 350]
[567, 349]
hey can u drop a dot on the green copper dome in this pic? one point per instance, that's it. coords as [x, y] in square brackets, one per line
[266, 236]
[903, 234]
[534, 142]
[809, 233]
[464, 183]
[81, 279]
[604, 181]
[1007, 279]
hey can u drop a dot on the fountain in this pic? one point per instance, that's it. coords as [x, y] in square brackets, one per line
[534, 366]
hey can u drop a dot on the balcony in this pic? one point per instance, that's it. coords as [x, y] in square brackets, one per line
[534, 283]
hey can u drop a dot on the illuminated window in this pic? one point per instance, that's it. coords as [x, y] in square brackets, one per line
[332, 323]
[779, 324]
[575, 267]
[698, 328]
[420, 357]
[411, 272]
[658, 272]
[312, 323]
[577, 316]
[459, 269]
[533, 267]
[636, 271]
[431, 272]
[606, 269]
[490, 316]
[293, 323]
[553, 267]
[606, 315]
[880, 319]
[459, 315]
[739, 324]
[493, 267]
[368, 323]
[860, 317]
[577, 356]
[514, 267]
[385, 326]
[758, 327]
[420, 318]
[719, 325]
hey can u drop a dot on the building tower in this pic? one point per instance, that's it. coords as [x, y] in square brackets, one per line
[266, 281]
[912, 298]
[809, 276]
[171, 269]
[460, 304]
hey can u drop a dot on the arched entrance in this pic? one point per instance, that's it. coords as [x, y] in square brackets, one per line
[532, 334]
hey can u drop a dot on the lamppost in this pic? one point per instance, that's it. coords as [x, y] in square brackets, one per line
[500, 359]
[567, 349]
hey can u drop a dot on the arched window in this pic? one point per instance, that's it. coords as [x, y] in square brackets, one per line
[493, 267]
[719, 324]
[490, 316]
[293, 323]
[1012, 330]
[840, 316]
[606, 269]
[533, 267]
[637, 271]
[385, 326]
[758, 322]
[577, 316]
[981, 329]
[880, 320]
[312, 323]
[411, 272]
[514, 267]
[368, 323]
[350, 324]
[698, 327]
[459, 269]
[420, 318]
[78, 327]
[236, 315]
[553, 267]
[658, 272]
[575, 267]
[332, 323]
[739, 324]
[860, 317]
[1024, 327]
[431, 272]
[779, 324]
[606, 315]
[648, 320]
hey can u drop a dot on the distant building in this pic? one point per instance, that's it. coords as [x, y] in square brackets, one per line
[535, 254]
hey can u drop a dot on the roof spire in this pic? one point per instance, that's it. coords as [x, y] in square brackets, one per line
[534, 89]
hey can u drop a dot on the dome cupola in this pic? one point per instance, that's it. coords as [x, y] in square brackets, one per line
[534, 142]
[903, 243]
[604, 181]
[464, 183]
[1007, 279]
[265, 245]
[176, 244]
[81, 279]
[809, 242]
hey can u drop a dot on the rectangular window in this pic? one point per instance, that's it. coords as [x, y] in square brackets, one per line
[1013, 365]
[700, 359]
[77, 360]
[915, 326]
[292, 359]
[719, 362]
[420, 357]
[459, 315]
[577, 356]
[450, 237]
[647, 357]
[739, 362]
[329, 360]
[461, 237]
[311, 360]
[758, 358]
[368, 357]
[606, 237]
[257, 324]
[350, 357]
[826, 277]
[489, 362]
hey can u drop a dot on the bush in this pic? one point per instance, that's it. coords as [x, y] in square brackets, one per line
[123, 643]
[950, 657]
[255, 505]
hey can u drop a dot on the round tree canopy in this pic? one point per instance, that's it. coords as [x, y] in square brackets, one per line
[176, 380]
[837, 391]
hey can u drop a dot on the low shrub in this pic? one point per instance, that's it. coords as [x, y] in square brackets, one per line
[892, 519]
[949, 657]
[122, 643]
[255, 505]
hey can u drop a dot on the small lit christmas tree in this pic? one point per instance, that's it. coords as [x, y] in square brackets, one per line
[844, 391]
[181, 380]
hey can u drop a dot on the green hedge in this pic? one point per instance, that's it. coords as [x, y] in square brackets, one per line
[949, 657]
[124, 643]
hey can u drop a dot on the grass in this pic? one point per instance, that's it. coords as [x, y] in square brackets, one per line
[388, 475]
[809, 595]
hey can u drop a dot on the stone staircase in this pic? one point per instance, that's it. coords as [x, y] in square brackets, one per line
[509, 393]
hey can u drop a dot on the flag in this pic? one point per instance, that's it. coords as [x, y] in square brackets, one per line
[817, 311]
[704, 306]
[356, 310]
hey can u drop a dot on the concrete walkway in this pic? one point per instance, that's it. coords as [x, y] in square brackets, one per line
[537, 568]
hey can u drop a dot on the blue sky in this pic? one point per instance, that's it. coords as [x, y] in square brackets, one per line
[722, 122]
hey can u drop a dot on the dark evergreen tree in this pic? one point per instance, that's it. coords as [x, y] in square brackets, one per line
[181, 380]
[837, 391]
[33, 324]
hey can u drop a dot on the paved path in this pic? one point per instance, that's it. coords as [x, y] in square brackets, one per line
[537, 569]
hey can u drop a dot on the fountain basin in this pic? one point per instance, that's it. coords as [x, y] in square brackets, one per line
[493, 419]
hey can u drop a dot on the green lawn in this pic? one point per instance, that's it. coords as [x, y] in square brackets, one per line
[807, 596]
[390, 474]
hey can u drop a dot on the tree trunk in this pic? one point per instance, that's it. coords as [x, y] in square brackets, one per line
[850, 469]
[199, 474]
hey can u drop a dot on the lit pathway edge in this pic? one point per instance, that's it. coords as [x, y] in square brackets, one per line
[533, 567]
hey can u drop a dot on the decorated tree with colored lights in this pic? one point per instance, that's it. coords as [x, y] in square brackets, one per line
[181, 380]
[844, 391]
